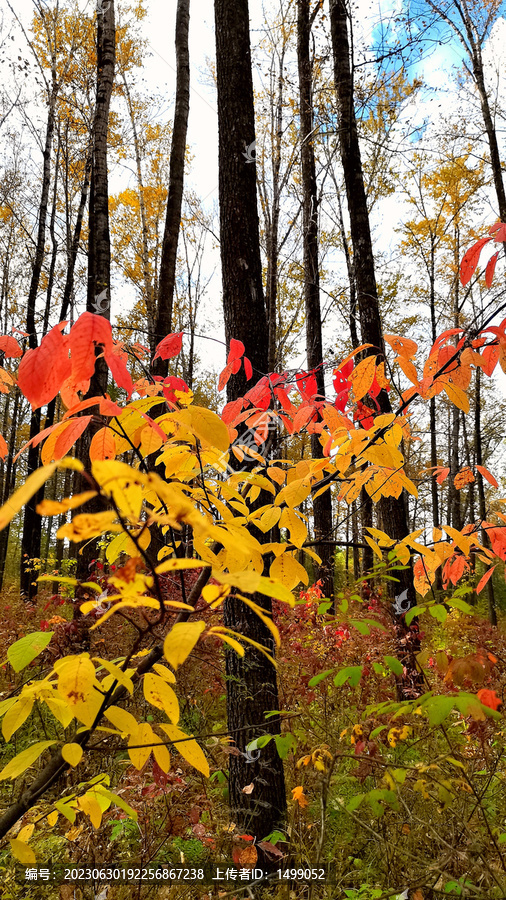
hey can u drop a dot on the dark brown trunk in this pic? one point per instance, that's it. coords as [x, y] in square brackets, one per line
[251, 680]
[167, 277]
[322, 505]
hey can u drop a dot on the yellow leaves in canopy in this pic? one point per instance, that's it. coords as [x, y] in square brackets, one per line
[205, 424]
[362, 377]
[24, 760]
[288, 571]
[251, 582]
[160, 694]
[187, 746]
[89, 525]
[180, 641]
[298, 531]
[32, 484]
[123, 484]
[294, 493]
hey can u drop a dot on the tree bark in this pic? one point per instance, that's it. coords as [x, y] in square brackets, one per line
[322, 505]
[251, 680]
[167, 277]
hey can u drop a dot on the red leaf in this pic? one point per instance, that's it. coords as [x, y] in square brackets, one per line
[236, 365]
[170, 346]
[260, 394]
[43, 369]
[488, 475]
[171, 384]
[489, 698]
[443, 475]
[306, 383]
[72, 433]
[88, 333]
[482, 582]
[490, 355]
[236, 350]
[10, 346]
[248, 368]
[231, 410]
[498, 229]
[489, 271]
[471, 259]
[119, 371]
[224, 376]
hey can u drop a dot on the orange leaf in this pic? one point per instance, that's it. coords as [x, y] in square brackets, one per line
[408, 369]
[404, 347]
[443, 474]
[489, 698]
[116, 362]
[63, 438]
[43, 369]
[302, 417]
[486, 474]
[10, 347]
[483, 580]
[362, 376]
[470, 260]
[465, 476]
[103, 445]
[4, 450]
[300, 797]
[224, 376]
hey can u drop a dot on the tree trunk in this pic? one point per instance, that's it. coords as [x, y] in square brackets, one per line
[99, 246]
[322, 505]
[30, 540]
[392, 511]
[167, 277]
[251, 680]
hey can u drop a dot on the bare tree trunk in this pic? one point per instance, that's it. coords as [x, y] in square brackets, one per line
[30, 540]
[99, 243]
[322, 505]
[167, 277]
[251, 680]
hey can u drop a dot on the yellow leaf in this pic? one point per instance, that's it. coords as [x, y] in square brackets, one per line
[218, 631]
[160, 694]
[16, 715]
[204, 424]
[72, 753]
[171, 565]
[22, 852]
[25, 833]
[76, 678]
[140, 744]
[457, 396]
[463, 543]
[162, 757]
[88, 525]
[18, 500]
[264, 618]
[374, 546]
[384, 455]
[165, 673]
[250, 582]
[187, 746]
[54, 507]
[362, 376]
[381, 536]
[294, 493]
[91, 807]
[52, 818]
[121, 719]
[298, 531]
[24, 760]
[269, 519]
[289, 571]
[117, 673]
[180, 641]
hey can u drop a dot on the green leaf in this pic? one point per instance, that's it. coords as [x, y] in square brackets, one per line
[355, 802]
[259, 742]
[317, 678]
[352, 674]
[414, 611]
[118, 801]
[438, 708]
[462, 605]
[284, 743]
[438, 612]
[377, 731]
[379, 668]
[394, 665]
[24, 651]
